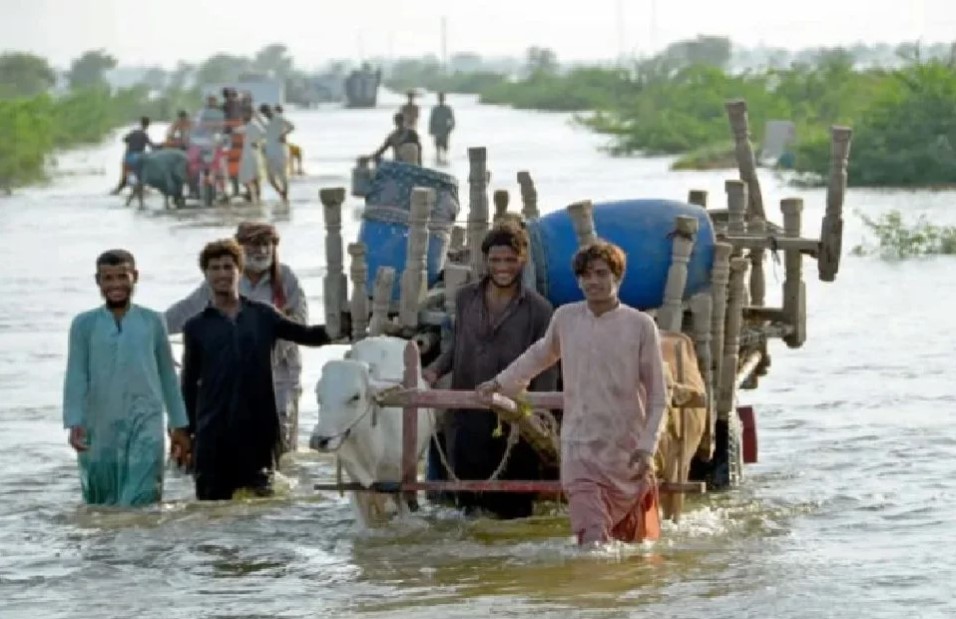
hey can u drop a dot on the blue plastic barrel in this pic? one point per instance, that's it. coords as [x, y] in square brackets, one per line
[641, 228]
[384, 228]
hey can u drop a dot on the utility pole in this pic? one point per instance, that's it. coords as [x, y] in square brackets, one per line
[620, 32]
[444, 44]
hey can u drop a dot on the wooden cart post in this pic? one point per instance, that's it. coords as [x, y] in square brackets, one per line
[382, 300]
[529, 196]
[728, 371]
[501, 199]
[477, 205]
[794, 288]
[698, 197]
[701, 307]
[671, 316]
[414, 284]
[831, 230]
[719, 278]
[359, 304]
[743, 151]
[335, 286]
[413, 370]
[582, 218]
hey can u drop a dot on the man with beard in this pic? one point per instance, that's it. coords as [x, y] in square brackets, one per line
[266, 280]
[496, 319]
[614, 401]
[227, 379]
[119, 378]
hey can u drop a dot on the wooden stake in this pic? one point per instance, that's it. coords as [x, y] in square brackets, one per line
[831, 230]
[582, 218]
[728, 370]
[414, 284]
[477, 206]
[501, 200]
[359, 305]
[382, 299]
[671, 315]
[794, 288]
[743, 150]
[335, 286]
[698, 197]
[736, 208]
[719, 278]
[529, 196]
[701, 307]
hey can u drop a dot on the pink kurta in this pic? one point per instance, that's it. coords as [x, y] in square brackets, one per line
[606, 363]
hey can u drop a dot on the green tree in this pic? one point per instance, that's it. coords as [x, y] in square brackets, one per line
[274, 61]
[221, 68]
[155, 78]
[24, 75]
[89, 70]
[541, 61]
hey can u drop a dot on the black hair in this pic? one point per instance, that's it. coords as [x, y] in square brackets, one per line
[115, 258]
[398, 118]
[144, 121]
[506, 234]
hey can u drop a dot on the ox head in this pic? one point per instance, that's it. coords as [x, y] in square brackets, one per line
[345, 400]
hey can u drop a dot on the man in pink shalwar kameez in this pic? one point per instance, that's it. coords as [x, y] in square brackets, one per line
[614, 401]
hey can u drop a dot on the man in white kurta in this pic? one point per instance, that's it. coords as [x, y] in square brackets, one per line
[614, 401]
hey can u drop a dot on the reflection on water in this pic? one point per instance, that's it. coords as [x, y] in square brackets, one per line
[844, 515]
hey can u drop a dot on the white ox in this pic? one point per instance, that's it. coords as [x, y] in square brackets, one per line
[366, 437]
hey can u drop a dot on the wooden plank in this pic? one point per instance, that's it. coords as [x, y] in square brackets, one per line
[549, 487]
[465, 399]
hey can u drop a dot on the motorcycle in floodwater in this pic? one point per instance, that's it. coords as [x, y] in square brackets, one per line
[207, 157]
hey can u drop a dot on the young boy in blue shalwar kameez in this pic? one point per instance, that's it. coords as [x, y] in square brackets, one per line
[120, 378]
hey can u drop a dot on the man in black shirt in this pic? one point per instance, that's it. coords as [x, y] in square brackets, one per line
[227, 380]
[399, 137]
[136, 142]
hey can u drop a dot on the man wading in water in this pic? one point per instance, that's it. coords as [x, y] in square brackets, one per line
[496, 320]
[609, 352]
[399, 140]
[267, 280]
[119, 378]
[227, 379]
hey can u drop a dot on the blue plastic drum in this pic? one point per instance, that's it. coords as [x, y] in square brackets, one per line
[384, 229]
[641, 228]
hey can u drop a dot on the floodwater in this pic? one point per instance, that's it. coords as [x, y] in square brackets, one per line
[847, 514]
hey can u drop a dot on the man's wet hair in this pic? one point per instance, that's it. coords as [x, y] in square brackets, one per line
[610, 253]
[144, 121]
[115, 258]
[398, 118]
[506, 234]
[220, 249]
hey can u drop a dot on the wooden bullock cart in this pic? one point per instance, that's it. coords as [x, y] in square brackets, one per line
[730, 324]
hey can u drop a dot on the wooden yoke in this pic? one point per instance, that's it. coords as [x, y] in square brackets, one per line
[359, 305]
[477, 206]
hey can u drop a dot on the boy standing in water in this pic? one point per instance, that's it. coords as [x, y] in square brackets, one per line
[119, 379]
[609, 353]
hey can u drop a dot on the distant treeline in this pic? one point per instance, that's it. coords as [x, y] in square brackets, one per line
[903, 112]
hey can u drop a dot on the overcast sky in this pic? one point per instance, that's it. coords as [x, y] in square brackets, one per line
[164, 31]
